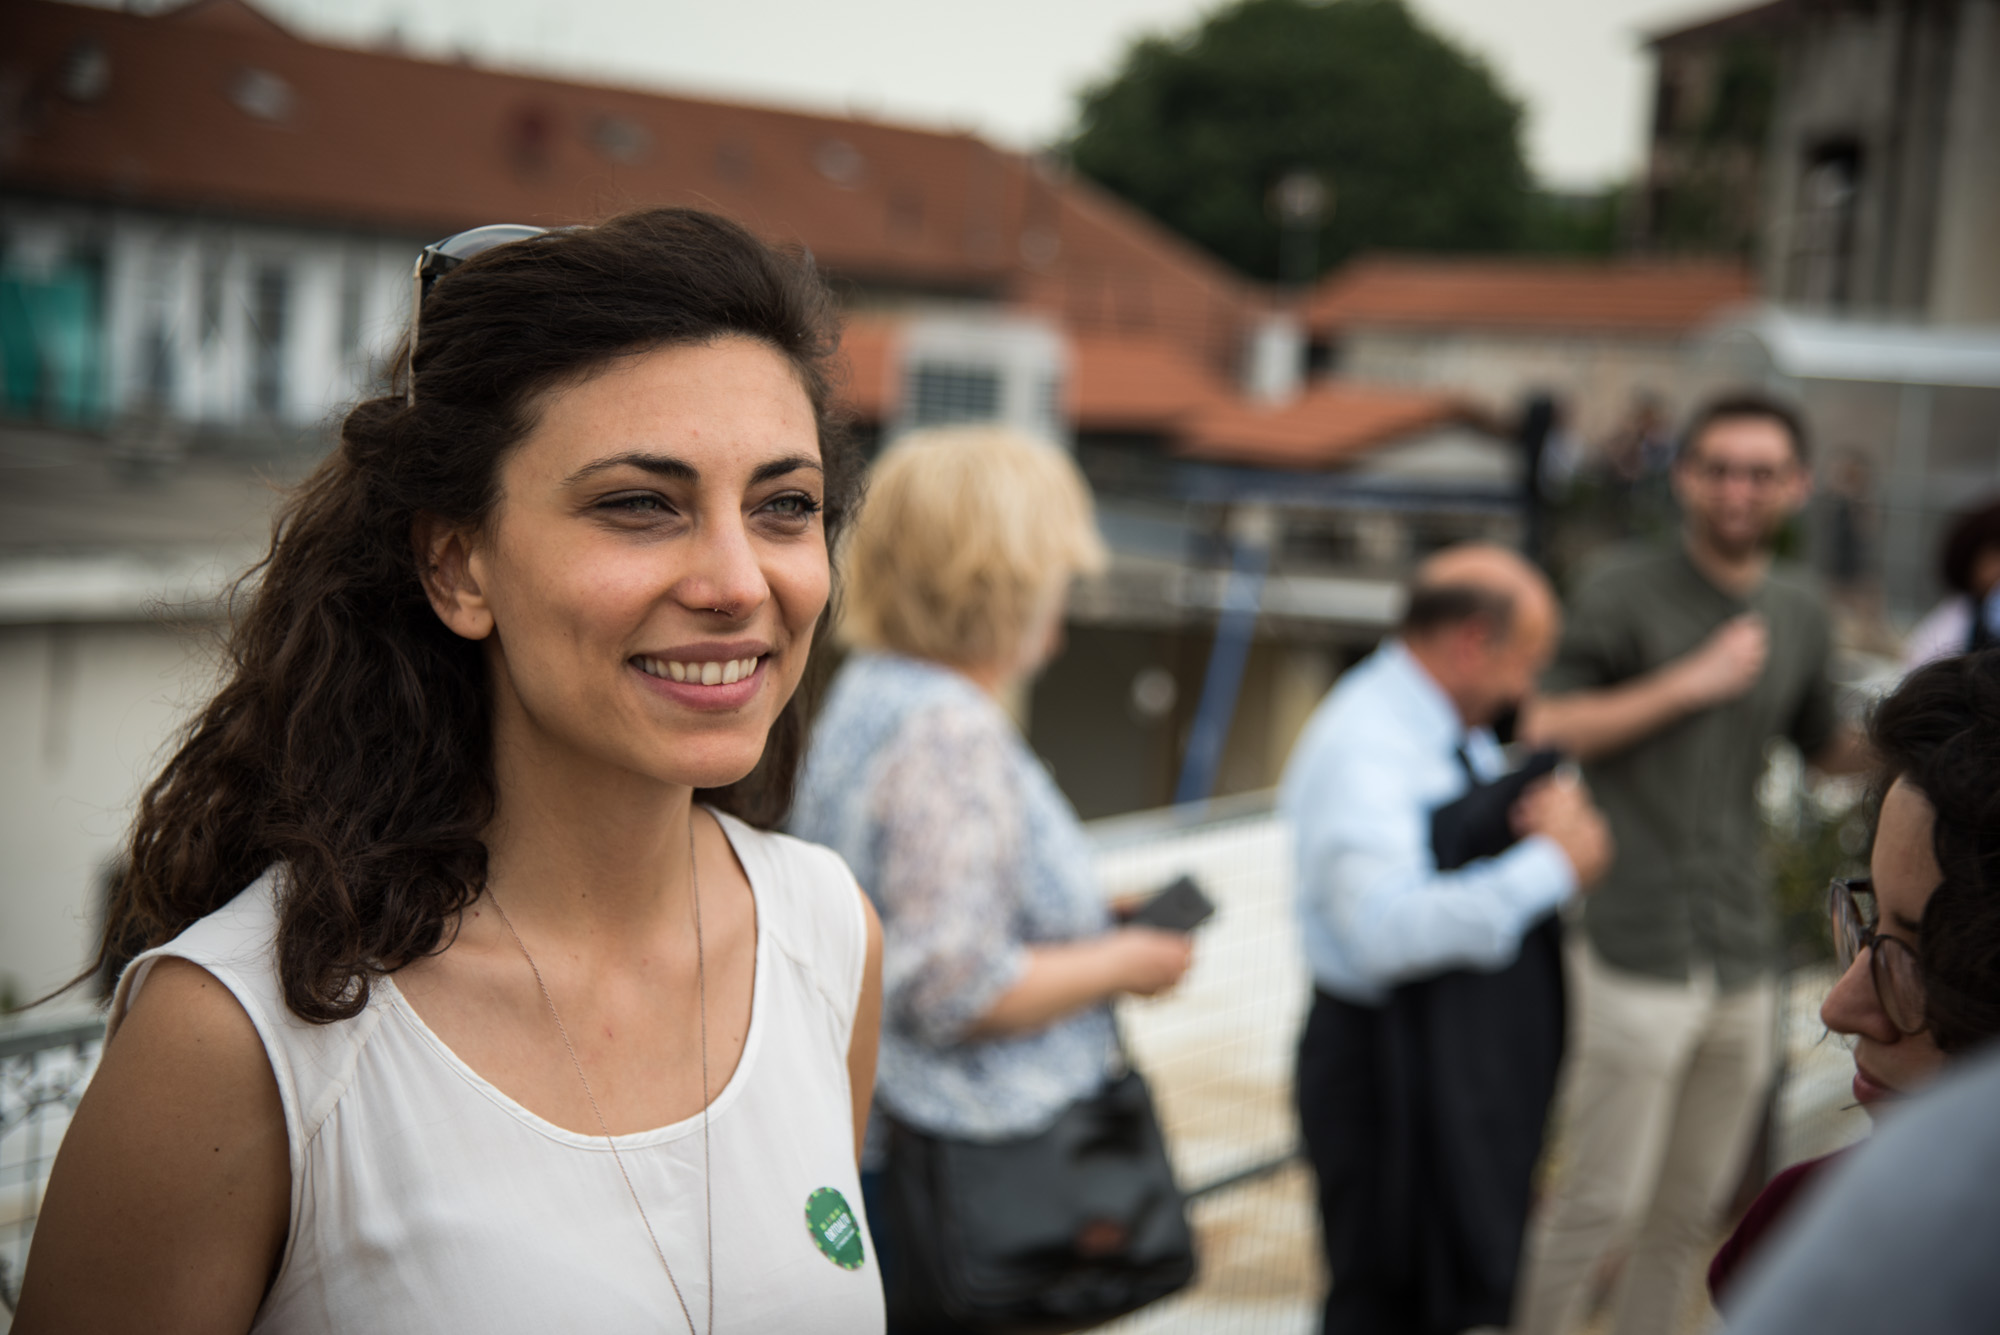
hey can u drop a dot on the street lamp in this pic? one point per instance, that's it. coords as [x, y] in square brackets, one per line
[1300, 202]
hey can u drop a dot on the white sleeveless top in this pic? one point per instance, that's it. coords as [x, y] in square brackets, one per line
[425, 1200]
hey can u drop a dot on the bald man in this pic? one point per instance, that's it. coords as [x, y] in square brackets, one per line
[1400, 944]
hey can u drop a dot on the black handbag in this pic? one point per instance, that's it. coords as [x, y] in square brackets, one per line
[1058, 1231]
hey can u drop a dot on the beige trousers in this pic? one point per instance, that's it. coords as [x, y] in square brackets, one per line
[1661, 1098]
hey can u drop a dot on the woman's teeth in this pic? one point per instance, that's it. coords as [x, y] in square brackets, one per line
[701, 674]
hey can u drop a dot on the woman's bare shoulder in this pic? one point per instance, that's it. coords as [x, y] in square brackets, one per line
[171, 1197]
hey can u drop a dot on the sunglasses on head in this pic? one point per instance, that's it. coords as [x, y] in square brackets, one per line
[1892, 963]
[440, 258]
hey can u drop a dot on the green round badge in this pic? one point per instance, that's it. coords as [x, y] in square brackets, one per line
[834, 1229]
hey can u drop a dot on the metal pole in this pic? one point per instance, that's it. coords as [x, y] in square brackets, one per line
[1252, 532]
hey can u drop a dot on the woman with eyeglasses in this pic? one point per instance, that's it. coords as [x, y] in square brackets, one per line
[473, 992]
[1918, 939]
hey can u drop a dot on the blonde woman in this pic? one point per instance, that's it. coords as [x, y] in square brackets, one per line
[999, 956]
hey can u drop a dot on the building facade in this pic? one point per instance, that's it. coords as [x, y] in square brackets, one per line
[1848, 144]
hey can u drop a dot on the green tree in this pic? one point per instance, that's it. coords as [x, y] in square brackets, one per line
[1418, 141]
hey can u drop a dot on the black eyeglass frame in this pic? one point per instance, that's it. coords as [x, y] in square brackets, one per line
[440, 258]
[1852, 934]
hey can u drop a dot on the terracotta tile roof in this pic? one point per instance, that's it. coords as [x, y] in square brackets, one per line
[1150, 386]
[1331, 424]
[211, 108]
[1137, 384]
[1630, 296]
[867, 346]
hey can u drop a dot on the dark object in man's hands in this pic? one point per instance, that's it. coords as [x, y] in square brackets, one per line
[1479, 825]
[1181, 907]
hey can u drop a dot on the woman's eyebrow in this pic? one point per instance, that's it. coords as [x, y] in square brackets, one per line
[1908, 924]
[660, 465]
[779, 467]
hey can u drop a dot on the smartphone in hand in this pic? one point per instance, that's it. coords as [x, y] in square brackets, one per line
[1181, 907]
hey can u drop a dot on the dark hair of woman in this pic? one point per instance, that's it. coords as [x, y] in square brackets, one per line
[1970, 534]
[351, 739]
[1940, 733]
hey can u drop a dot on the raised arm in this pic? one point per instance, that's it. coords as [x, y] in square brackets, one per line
[1592, 724]
[170, 1199]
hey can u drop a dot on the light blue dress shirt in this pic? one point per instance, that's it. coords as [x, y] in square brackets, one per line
[1376, 758]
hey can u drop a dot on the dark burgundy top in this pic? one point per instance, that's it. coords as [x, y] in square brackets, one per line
[1772, 1206]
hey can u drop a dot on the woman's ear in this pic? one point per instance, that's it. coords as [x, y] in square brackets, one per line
[448, 565]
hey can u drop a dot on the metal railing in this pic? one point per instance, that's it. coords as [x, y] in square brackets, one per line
[1218, 1053]
[44, 1066]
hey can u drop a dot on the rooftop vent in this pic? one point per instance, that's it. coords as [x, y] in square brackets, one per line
[620, 140]
[260, 93]
[840, 162]
[530, 134]
[732, 161]
[1040, 246]
[86, 71]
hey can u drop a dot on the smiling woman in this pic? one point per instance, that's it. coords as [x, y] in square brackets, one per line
[471, 991]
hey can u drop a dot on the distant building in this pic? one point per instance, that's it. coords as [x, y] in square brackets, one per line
[1853, 148]
[1868, 131]
[1600, 335]
[208, 216]
[1714, 87]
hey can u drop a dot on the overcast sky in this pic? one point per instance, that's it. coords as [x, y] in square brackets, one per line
[1009, 69]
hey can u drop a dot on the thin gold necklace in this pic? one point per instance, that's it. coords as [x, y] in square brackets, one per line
[701, 991]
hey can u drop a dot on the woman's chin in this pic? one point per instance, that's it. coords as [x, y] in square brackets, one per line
[710, 771]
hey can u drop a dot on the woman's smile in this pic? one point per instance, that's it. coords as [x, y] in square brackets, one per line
[717, 676]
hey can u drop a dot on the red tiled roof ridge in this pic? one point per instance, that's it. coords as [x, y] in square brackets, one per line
[1087, 196]
[1657, 294]
[1332, 424]
[1530, 263]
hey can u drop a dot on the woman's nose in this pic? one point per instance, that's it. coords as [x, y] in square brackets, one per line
[725, 575]
[1852, 1007]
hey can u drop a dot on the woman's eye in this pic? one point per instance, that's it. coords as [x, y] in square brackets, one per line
[639, 505]
[793, 505]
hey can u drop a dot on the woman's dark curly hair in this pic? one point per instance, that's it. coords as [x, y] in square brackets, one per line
[1940, 733]
[351, 739]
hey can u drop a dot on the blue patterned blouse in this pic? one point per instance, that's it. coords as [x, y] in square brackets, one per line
[971, 854]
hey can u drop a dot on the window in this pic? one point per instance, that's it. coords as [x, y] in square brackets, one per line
[270, 290]
[210, 295]
[350, 311]
[155, 359]
[941, 393]
[1823, 237]
[51, 341]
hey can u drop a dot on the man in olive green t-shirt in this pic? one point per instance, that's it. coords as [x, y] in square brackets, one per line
[1677, 669]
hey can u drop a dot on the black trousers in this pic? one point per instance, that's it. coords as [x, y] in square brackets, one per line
[1341, 1075]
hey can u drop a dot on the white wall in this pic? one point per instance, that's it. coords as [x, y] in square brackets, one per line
[1597, 376]
[85, 711]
